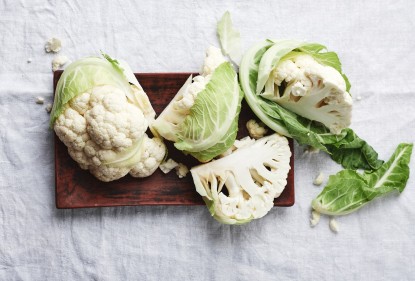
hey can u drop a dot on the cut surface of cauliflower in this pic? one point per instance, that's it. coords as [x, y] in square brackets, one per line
[314, 91]
[242, 186]
[106, 134]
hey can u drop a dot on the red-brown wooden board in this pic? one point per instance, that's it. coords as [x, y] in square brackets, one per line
[77, 188]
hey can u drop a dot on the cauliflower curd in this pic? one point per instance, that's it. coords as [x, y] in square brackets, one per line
[103, 123]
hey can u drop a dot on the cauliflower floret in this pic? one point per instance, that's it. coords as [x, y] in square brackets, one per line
[181, 170]
[112, 121]
[53, 45]
[104, 133]
[168, 165]
[315, 218]
[189, 96]
[256, 130]
[314, 91]
[319, 179]
[70, 127]
[242, 186]
[153, 152]
[59, 61]
[213, 59]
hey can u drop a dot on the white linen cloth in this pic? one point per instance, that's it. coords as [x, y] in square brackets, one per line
[375, 41]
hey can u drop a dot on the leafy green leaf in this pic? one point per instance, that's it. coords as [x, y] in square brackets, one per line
[210, 127]
[80, 77]
[230, 39]
[349, 190]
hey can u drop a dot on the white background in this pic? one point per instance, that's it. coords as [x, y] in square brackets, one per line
[375, 41]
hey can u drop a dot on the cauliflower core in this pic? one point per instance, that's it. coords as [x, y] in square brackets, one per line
[106, 134]
[314, 91]
[242, 186]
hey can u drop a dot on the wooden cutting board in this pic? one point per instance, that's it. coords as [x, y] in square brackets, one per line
[77, 188]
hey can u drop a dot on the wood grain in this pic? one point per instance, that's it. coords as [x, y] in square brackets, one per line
[76, 188]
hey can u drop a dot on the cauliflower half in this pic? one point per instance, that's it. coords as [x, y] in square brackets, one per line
[312, 90]
[242, 186]
[103, 123]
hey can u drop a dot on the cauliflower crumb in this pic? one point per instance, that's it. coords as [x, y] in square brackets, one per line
[53, 45]
[358, 98]
[256, 129]
[319, 179]
[40, 100]
[181, 170]
[333, 225]
[315, 218]
[48, 108]
[29, 60]
[58, 62]
[168, 165]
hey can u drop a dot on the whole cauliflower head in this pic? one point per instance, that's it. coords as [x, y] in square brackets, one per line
[102, 120]
[312, 90]
[242, 186]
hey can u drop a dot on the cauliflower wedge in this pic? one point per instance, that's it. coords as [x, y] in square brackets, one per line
[314, 91]
[308, 81]
[242, 186]
[202, 118]
[101, 114]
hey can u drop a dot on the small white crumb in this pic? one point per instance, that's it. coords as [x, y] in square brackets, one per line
[48, 108]
[58, 62]
[319, 179]
[29, 60]
[53, 45]
[181, 170]
[168, 165]
[40, 100]
[315, 218]
[334, 226]
[358, 98]
[256, 129]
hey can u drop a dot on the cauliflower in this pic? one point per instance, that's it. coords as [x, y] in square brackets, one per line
[202, 118]
[256, 130]
[99, 118]
[334, 226]
[315, 218]
[59, 61]
[319, 179]
[314, 91]
[53, 45]
[168, 165]
[153, 152]
[242, 186]
[181, 170]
